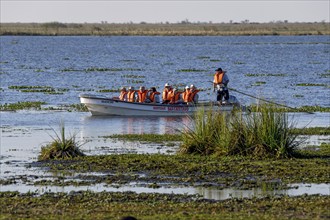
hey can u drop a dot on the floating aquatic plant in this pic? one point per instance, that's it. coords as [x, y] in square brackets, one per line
[109, 90]
[21, 106]
[259, 83]
[191, 70]
[132, 76]
[147, 137]
[310, 84]
[264, 74]
[41, 89]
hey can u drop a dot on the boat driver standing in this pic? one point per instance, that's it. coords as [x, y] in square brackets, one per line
[220, 82]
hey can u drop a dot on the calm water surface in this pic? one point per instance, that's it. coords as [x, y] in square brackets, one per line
[269, 67]
[272, 67]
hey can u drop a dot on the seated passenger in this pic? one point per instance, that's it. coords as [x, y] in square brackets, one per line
[131, 94]
[175, 97]
[123, 94]
[167, 93]
[193, 97]
[142, 94]
[186, 94]
[153, 96]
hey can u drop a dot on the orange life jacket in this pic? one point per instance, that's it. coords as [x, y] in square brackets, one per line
[175, 97]
[166, 96]
[152, 96]
[218, 77]
[185, 96]
[122, 95]
[131, 96]
[142, 95]
[192, 95]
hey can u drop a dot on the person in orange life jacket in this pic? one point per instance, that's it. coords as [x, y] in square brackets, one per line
[167, 93]
[175, 97]
[220, 82]
[153, 96]
[123, 94]
[185, 95]
[193, 96]
[131, 94]
[142, 94]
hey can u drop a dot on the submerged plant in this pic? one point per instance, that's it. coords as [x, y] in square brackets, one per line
[266, 133]
[61, 147]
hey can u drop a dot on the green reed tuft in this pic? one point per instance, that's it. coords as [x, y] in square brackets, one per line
[61, 147]
[265, 133]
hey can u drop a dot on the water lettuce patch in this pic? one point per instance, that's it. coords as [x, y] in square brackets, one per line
[265, 74]
[191, 70]
[41, 89]
[311, 84]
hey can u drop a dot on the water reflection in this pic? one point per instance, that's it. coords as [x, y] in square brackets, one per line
[103, 125]
[207, 193]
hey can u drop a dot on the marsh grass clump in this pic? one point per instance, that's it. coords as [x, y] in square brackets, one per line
[265, 133]
[61, 147]
[209, 134]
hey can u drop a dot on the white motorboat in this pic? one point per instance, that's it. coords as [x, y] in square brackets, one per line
[100, 105]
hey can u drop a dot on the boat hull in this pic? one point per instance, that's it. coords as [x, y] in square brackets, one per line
[103, 106]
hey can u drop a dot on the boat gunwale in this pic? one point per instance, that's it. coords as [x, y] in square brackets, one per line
[209, 103]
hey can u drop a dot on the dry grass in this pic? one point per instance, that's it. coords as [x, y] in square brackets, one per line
[190, 29]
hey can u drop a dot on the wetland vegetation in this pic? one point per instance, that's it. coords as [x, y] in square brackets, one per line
[262, 134]
[61, 147]
[179, 29]
[106, 205]
[183, 170]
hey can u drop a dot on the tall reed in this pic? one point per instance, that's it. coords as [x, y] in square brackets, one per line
[265, 133]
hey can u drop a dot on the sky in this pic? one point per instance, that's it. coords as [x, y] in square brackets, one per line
[215, 11]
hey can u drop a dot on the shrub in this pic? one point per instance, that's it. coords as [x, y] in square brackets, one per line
[60, 147]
